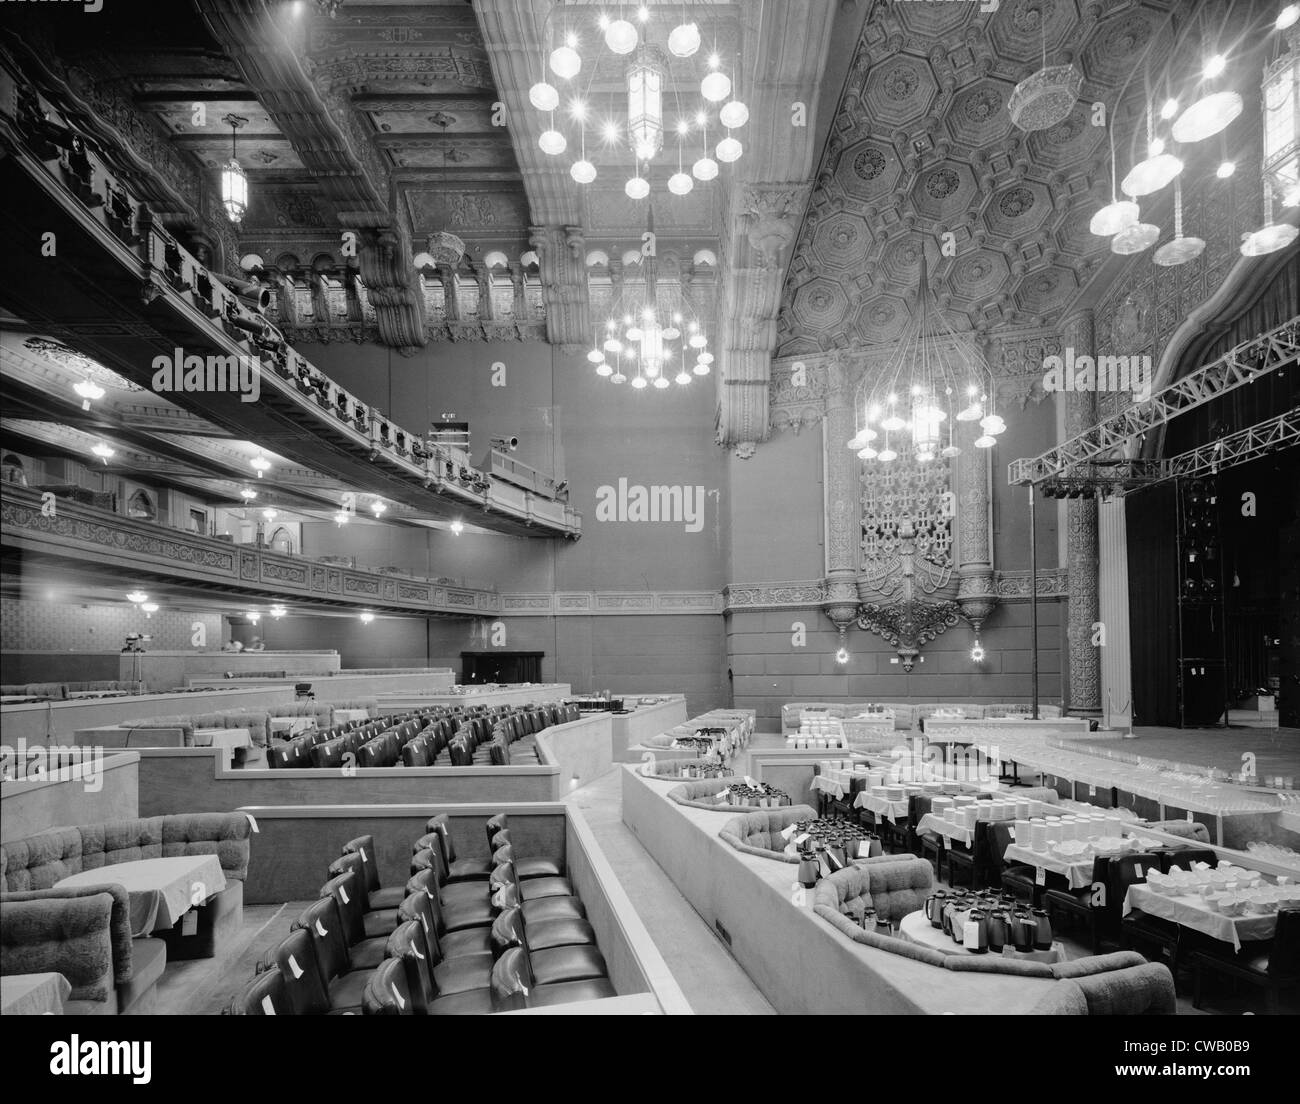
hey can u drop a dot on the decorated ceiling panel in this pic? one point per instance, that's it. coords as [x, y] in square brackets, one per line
[922, 144]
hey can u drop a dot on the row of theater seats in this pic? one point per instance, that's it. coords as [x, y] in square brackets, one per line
[420, 740]
[461, 937]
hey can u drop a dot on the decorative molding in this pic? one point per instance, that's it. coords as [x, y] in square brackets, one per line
[807, 594]
[610, 603]
[1013, 586]
[909, 625]
[362, 334]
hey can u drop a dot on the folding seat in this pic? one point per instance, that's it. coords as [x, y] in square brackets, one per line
[370, 754]
[343, 985]
[422, 904]
[376, 922]
[567, 962]
[418, 753]
[525, 868]
[498, 756]
[328, 755]
[408, 945]
[457, 894]
[509, 930]
[514, 986]
[386, 991]
[458, 870]
[283, 755]
[379, 898]
[263, 996]
[461, 753]
[493, 826]
[304, 989]
[538, 911]
[534, 889]
[365, 953]
[1138, 926]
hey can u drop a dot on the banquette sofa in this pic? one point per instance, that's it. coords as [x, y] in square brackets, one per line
[1123, 983]
[177, 730]
[59, 691]
[907, 716]
[85, 933]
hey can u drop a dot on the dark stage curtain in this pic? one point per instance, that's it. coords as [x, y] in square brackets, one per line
[1151, 520]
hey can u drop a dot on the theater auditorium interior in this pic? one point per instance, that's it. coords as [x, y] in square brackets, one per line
[576, 507]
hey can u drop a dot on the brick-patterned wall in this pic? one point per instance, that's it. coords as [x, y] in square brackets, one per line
[27, 625]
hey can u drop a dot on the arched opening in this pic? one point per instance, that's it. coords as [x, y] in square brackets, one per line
[140, 505]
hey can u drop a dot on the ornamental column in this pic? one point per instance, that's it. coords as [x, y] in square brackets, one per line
[976, 593]
[1083, 669]
[841, 490]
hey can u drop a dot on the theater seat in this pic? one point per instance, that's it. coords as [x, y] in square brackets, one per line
[469, 940]
[525, 868]
[386, 992]
[458, 870]
[461, 893]
[263, 996]
[343, 985]
[379, 897]
[376, 922]
[408, 945]
[508, 930]
[365, 953]
[515, 987]
[532, 890]
[541, 911]
[304, 988]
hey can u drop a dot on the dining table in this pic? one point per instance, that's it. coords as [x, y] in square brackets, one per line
[915, 927]
[343, 716]
[1191, 911]
[160, 890]
[40, 994]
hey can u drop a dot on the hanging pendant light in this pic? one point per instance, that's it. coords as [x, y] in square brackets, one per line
[1047, 97]
[646, 76]
[729, 149]
[1153, 173]
[544, 96]
[620, 36]
[733, 115]
[1181, 249]
[234, 181]
[684, 40]
[552, 143]
[1272, 236]
[565, 61]
[1135, 238]
[1206, 117]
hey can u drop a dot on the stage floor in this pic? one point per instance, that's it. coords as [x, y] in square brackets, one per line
[1276, 750]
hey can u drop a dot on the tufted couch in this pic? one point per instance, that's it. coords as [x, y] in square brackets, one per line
[907, 715]
[1114, 984]
[668, 768]
[664, 742]
[178, 731]
[30, 867]
[58, 691]
[701, 793]
[759, 832]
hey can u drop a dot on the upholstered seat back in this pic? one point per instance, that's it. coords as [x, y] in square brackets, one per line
[703, 794]
[892, 885]
[39, 861]
[759, 833]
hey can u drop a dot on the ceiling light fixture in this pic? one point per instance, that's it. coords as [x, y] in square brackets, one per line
[457, 527]
[1181, 249]
[1287, 17]
[270, 514]
[253, 616]
[150, 608]
[278, 611]
[367, 617]
[89, 391]
[137, 597]
[248, 494]
[260, 464]
[1046, 97]
[103, 451]
[234, 181]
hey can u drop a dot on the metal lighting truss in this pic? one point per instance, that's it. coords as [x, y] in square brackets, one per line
[1112, 477]
[1241, 365]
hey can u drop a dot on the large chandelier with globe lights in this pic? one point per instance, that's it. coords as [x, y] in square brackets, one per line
[619, 48]
[934, 378]
[652, 336]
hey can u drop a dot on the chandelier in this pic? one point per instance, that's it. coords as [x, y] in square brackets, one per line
[637, 124]
[234, 181]
[935, 376]
[651, 332]
[1045, 98]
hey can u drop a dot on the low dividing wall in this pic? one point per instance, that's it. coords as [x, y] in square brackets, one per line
[181, 780]
[36, 722]
[410, 696]
[166, 670]
[106, 789]
[343, 686]
[629, 729]
[801, 963]
[792, 770]
[293, 846]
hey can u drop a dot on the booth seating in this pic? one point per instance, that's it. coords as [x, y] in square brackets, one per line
[702, 794]
[909, 715]
[177, 731]
[87, 930]
[1115, 984]
[759, 832]
[59, 691]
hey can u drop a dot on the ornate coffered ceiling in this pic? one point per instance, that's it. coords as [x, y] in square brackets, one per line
[921, 145]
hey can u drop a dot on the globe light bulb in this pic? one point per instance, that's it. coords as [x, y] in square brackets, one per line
[705, 358]
[1225, 170]
[543, 96]
[640, 383]
[552, 142]
[1113, 218]
[697, 340]
[887, 455]
[680, 183]
[584, 172]
[733, 115]
[705, 169]
[637, 188]
[684, 40]
[618, 377]
[985, 442]
[565, 62]
[715, 87]
[1215, 65]
[1287, 17]
[661, 382]
[729, 149]
[595, 356]
[683, 377]
[604, 370]
[621, 36]
[1169, 109]
[700, 369]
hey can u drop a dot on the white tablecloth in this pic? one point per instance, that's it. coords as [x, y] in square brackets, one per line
[1192, 912]
[161, 890]
[890, 810]
[1077, 874]
[33, 994]
[821, 743]
[343, 716]
[915, 928]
